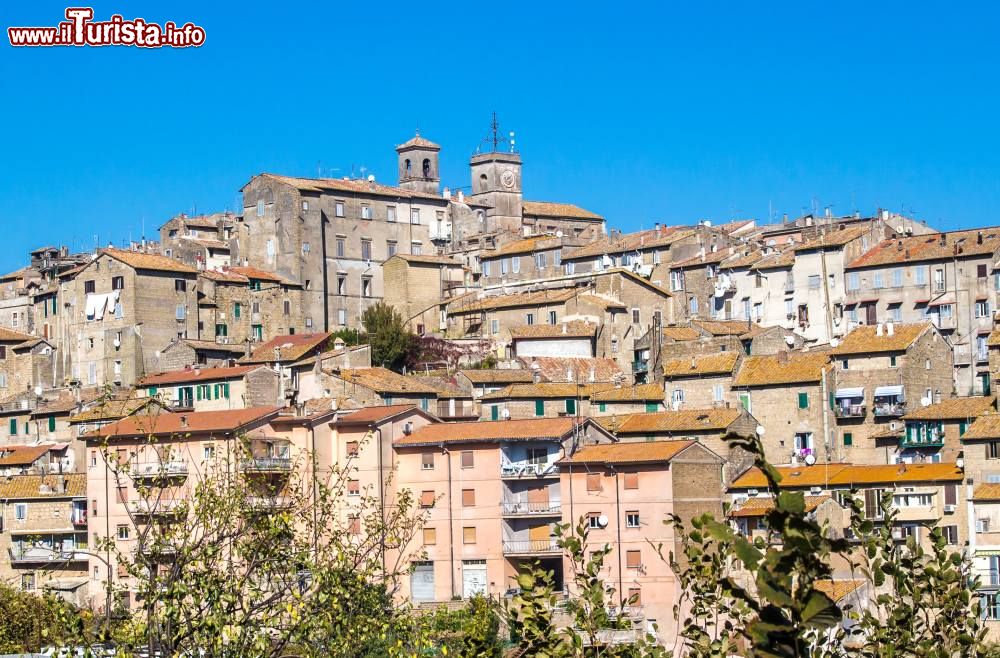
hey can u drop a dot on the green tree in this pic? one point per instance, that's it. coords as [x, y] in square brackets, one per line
[391, 343]
[31, 621]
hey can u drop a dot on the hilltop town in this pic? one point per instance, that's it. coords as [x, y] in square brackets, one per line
[570, 370]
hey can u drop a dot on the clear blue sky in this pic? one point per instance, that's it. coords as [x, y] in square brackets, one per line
[641, 113]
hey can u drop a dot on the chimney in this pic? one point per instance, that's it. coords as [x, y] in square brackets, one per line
[564, 328]
[878, 329]
[979, 237]
[593, 374]
[899, 245]
[944, 240]
[694, 363]
[447, 193]
[889, 329]
[782, 356]
[536, 376]
[461, 196]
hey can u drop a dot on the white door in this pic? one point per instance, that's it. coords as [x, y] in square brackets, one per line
[473, 578]
[422, 582]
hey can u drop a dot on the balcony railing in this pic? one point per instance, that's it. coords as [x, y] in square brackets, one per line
[269, 502]
[530, 546]
[528, 469]
[157, 507]
[934, 441]
[44, 555]
[640, 366]
[889, 409]
[988, 577]
[850, 411]
[79, 518]
[267, 464]
[534, 509]
[171, 469]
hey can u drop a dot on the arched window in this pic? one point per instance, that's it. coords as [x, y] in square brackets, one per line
[482, 181]
[427, 168]
[407, 167]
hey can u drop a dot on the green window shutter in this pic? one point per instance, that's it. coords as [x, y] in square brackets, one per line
[603, 406]
[217, 391]
[52, 423]
[961, 427]
[27, 427]
[833, 401]
[54, 306]
[571, 406]
[13, 426]
[909, 432]
[650, 407]
[236, 310]
[151, 390]
[225, 390]
[539, 407]
[198, 392]
[848, 439]
[892, 361]
[803, 400]
[495, 412]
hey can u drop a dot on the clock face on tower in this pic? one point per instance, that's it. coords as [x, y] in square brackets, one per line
[507, 178]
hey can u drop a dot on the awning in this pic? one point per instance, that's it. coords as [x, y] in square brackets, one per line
[881, 391]
[942, 299]
[850, 392]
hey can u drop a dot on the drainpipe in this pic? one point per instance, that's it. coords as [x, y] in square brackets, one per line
[618, 526]
[824, 391]
[381, 501]
[451, 526]
[828, 314]
[315, 469]
[326, 296]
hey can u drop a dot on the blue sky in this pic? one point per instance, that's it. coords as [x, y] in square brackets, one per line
[643, 113]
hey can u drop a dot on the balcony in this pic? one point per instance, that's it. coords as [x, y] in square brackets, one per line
[159, 470]
[917, 513]
[446, 409]
[988, 578]
[850, 410]
[933, 441]
[164, 507]
[639, 367]
[944, 322]
[266, 465]
[79, 518]
[889, 409]
[269, 503]
[531, 546]
[40, 555]
[528, 469]
[531, 509]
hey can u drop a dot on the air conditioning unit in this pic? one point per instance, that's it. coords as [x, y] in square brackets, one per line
[949, 509]
[752, 492]
[815, 490]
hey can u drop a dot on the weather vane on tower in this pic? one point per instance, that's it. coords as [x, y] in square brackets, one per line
[496, 137]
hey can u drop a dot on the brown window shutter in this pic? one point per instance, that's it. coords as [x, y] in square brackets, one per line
[633, 559]
[631, 480]
[430, 536]
[353, 487]
[468, 459]
[354, 525]
[468, 497]
[950, 494]
[469, 535]
[427, 460]
[593, 481]
[426, 498]
[122, 495]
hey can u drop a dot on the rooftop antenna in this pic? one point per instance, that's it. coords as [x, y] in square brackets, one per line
[495, 137]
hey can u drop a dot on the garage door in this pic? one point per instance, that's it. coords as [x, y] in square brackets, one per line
[422, 582]
[473, 578]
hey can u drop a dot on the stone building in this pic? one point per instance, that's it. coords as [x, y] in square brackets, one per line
[944, 278]
[25, 362]
[379, 386]
[573, 338]
[43, 534]
[238, 305]
[534, 258]
[881, 373]
[622, 400]
[121, 308]
[201, 241]
[699, 381]
[540, 400]
[183, 352]
[419, 287]
[213, 389]
[934, 432]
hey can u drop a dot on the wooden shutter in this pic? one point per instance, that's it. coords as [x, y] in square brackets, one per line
[354, 525]
[871, 503]
[468, 459]
[538, 494]
[950, 494]
[427, 498]
[593, 481]
[430, 536]
[631, 480]
[427, 460]
[469, 535]
[539, 533]
[468, 497]
[633, 559]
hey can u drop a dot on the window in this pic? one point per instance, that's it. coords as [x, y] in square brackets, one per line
[540, 260]
[415, 216]
[552, 317]
[892, 361]
[117, 283]
[814, 281]
[848, 439]
[939, 282]
[983, 309]
[920, 275]
[341, 284]
[180, 285]
[895, 312]
[468, 497]
[20, 511]
[676, 280]
[415, 248]
[570, 406]
[993, 450]
[427, 498]
[13, 426]
[338, 209]
[352, 448]
[897, 277]
[468, 459]
[353, 488]
[633, 559]
[366, 286]
[494, 326]
[631, 519]
[28, 582]
[593, 482]
[469, 535]
[635, 316]
[693, 305]
[803, 400]
[594, 520]
[89, 287]
[981, 271]
[260, 208]
[123, 533]
[287, 307]
[340, 247]
[390, 213]
[631, 480]
[221, 330]
[180, 312]
[366, 249]
[529, 318]
[427, 461]
[853, 281]
[430, 536]
[208, 451]
[677, 395]
[342, 317]
[390, 248]
[366, 212]
[539, 407]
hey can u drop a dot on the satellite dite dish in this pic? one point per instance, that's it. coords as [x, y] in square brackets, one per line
[602, 521]
[760, 430]
[810, 459]
[38, 391]
[834, 342]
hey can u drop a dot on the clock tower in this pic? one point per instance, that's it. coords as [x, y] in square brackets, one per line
[496, 180]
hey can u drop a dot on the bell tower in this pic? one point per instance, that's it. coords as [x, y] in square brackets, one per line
[496, 179]
[418, 165]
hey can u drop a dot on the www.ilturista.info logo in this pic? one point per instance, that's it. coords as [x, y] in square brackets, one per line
[79, 29]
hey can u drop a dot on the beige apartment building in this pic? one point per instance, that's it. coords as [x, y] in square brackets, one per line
[213, 389]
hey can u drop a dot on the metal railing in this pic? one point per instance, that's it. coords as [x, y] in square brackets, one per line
[934, 441]
[640, 366]
[43, 555]
[159, 469]
[850, 410]
[531, 546]
[269, 502]
[515, 508]
[525, 469]
[889, 409]
[156, 507]
[266, 464]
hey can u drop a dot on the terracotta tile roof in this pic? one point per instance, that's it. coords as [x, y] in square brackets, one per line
[954, 409]
[726, 327]
[865, 339]
[918, 248]
[546, 390]
[224, 276]
[573, 369]
[445, 386]
[709, 258]
[113, 409]
[718, 363]
[290, 347]
[429, 259]
[526, 246]
[11, 336]
[759, 506]
[255, 273]
[847, 475]
[513, 300]
[551, 209]
[156, 262]
[195, 375]
[638, 393]
[600, 301]
[740, 261]
[531, 429]
[782, 368]
[986, 426]
[835, 238]
[498, 376]
[382, 380]
[374, 415]
[22, 455]
[681, 333]
[353, 186]
[419, 142]
[838, 590]
[571, 329]
[212, 345]
[27, 487]
[645, 452]
[209, 243]
[181, 424]
[775, 261]
[987, 491]
[630, 242]
[682, 420]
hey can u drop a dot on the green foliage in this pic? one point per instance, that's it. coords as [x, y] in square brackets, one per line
[390, 341]
[350, 337]
[29, 622]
